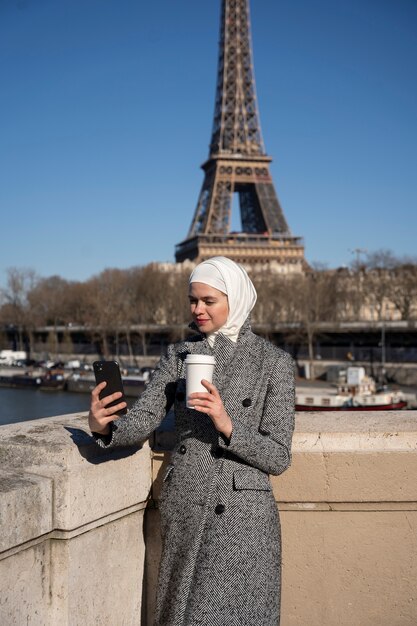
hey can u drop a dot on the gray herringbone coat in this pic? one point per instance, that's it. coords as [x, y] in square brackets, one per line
[221, 558]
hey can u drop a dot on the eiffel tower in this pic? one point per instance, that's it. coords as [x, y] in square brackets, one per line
[238, 164]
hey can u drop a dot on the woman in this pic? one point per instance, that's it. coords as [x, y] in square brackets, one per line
[219, 522]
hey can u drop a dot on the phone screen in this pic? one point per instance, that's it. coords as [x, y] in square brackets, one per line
[109, 371]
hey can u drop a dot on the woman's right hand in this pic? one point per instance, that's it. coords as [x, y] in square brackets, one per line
[100, 416]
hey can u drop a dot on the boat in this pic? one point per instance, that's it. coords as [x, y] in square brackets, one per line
[355, 392]
[39, 379]
[48, 378]
[133, 385]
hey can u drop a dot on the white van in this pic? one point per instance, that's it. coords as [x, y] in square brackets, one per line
[12, 357]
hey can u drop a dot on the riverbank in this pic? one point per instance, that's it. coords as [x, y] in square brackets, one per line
[63, 378]
[392, 372]
[20, 405]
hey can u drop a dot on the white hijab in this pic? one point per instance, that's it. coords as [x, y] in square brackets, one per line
[232, 279]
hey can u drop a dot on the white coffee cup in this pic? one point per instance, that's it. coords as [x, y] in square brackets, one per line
[197, 367]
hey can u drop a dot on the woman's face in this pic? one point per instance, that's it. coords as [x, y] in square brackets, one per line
[209, 307]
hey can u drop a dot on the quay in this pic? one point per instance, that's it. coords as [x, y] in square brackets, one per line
[80, 528]
[61, 379]
[82, 381]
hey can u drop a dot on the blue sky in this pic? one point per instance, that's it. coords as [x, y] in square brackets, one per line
[106, 110]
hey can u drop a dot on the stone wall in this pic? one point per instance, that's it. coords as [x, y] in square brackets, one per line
[71, 516]
[72, 547]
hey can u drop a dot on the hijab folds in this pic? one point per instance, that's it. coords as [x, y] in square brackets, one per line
[232, 279]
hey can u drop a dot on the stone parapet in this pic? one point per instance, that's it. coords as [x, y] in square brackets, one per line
[349, 520]
[71, 520]
[72, 546]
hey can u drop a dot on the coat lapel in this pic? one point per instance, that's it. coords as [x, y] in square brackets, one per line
[236, 364]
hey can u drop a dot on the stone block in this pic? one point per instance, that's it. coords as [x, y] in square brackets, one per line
[352, 457]
[26, 508]
[25, 579]
[98, 575]
[349, 568]
[88, 482]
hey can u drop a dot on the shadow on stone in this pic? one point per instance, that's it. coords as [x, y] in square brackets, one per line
[92, 453]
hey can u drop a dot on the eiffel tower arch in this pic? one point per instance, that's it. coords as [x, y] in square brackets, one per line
[238, 164]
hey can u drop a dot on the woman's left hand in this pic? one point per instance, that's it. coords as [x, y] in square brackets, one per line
[211, 404]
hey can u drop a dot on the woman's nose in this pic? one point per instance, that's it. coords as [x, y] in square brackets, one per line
[199, 308]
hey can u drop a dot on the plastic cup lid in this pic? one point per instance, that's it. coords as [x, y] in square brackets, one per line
[200, 358]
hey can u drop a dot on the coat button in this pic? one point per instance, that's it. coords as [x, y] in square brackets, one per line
[247, 402]
[219, 509]
[218, 453]
[182, 450]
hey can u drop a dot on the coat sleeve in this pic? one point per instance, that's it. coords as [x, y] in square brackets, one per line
[148, 411]
[268, 446]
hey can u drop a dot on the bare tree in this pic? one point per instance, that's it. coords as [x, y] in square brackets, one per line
[104, 310]
[272, 303]
[403, 291]
[77, 302]
[378, 280]
[177, 302]
[128, 306]
[16, 308]
[110, 304]
[381, 259]
[313, 296]
[348, 295]
[49, 305]
[152, 299]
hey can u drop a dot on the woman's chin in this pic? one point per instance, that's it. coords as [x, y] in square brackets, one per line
[206, 328]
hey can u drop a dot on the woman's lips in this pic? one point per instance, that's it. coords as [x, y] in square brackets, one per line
[201, 322]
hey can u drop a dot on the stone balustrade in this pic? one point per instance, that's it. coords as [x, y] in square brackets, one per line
[75, 521]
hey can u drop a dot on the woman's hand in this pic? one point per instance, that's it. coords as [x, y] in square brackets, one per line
[99, 416]
[211, 404]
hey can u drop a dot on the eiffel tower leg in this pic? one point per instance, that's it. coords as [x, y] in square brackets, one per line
[214, 205]
[198, 225]
[271, 208]
[221, 209]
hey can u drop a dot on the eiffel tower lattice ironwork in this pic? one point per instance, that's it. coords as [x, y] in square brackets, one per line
[238, 163]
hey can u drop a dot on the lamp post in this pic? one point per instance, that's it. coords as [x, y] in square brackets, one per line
[383, 354]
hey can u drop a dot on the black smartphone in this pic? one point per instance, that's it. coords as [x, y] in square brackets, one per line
[109, 371]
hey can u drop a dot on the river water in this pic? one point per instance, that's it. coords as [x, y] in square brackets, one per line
[19, 405]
